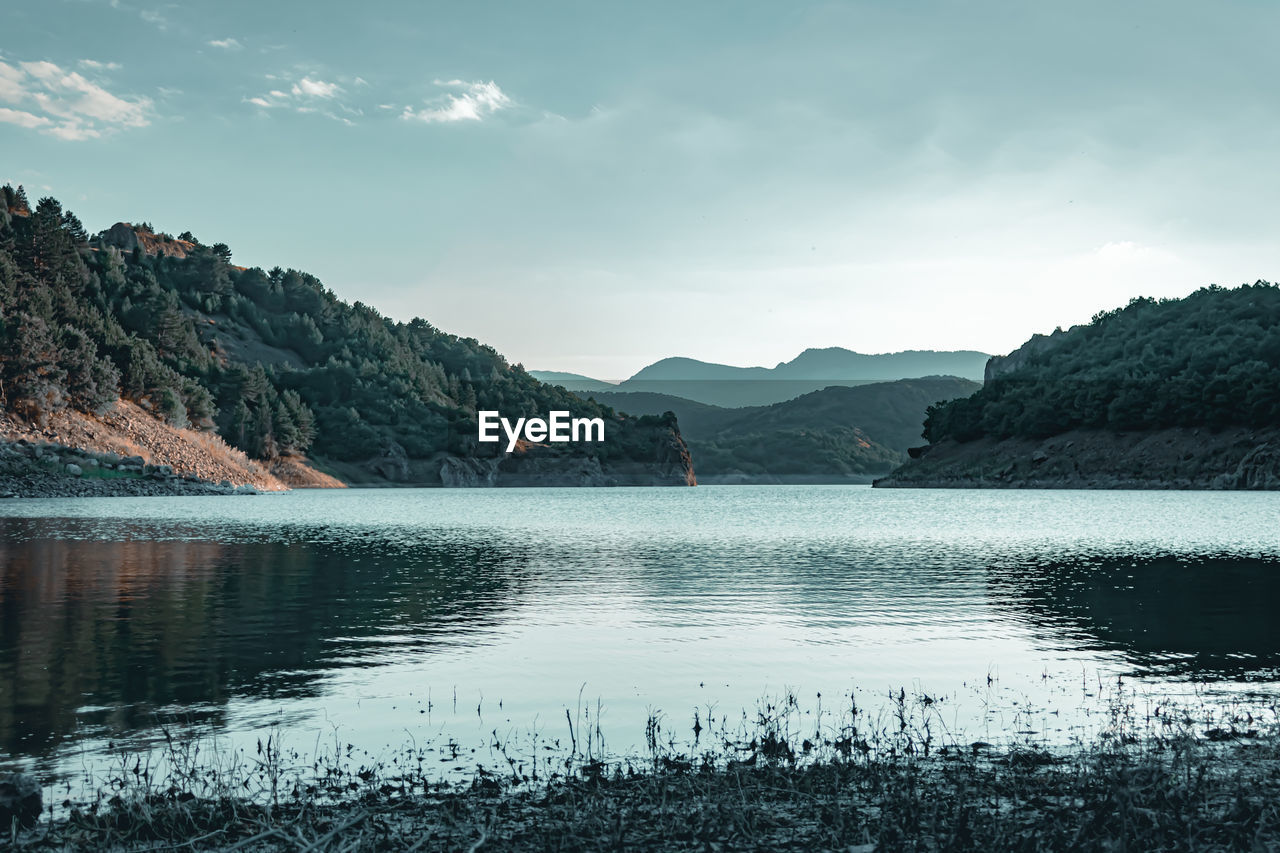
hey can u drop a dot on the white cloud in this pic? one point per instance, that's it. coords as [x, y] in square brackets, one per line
[1127, 251]
[308, 95]
[226, 44]
[64, 103]
[315, 88]
[153, 17]
[95, 65]
[22, 118]
[476, 100]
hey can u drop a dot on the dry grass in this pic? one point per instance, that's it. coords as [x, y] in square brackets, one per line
[1163, 782]
[130, 431]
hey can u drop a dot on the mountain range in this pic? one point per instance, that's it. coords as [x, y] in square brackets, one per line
[837, 434]
[812, 370]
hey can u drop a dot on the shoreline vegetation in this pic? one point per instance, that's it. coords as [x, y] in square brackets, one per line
[1232, 458]
[1160, 777]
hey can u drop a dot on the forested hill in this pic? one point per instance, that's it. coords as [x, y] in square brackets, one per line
[1211, 359]
[274, 362]
[1173, 393]
[831, 435]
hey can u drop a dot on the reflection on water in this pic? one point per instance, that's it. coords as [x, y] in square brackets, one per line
[1201, 617]
[458, 614]
[134, 626]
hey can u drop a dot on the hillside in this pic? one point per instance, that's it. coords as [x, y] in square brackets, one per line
[126, 451]
[275, 365]
[571, 381]
[812, 370]
[1176, 393]
[836, 434]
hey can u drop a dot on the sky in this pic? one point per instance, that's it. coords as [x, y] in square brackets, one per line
[594, 186]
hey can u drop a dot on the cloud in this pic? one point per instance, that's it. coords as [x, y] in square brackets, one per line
[476, 100]
[153, 17]
[226, 44]
[22, 118]
[64, 103]
[95, 65]
[307, 95]
[315, 88]
[1127, 251]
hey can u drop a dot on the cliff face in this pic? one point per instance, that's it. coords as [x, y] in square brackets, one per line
[1175, 458]
[126, 238]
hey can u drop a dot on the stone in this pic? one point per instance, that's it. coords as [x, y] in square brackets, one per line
[392, 464]
[133, 461]
[20, 798]
[74, 470]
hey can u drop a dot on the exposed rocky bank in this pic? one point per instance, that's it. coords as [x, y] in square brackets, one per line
[1177, 458]
[126, 451]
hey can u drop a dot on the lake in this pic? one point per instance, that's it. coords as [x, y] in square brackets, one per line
[370, 618]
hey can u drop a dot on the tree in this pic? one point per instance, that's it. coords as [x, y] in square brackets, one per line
[34, 379]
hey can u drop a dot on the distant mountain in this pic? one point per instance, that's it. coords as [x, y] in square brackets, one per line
[1171, 393]
[836, 434]
[812, 370]
[572, 381]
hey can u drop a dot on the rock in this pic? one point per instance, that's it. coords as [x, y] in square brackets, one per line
[463, 472]
[20, 798]
[122, 236]
[392, 465]
[90, 462]
[74, 470]
[132, 461]
[246, 489]
[1259, 469]
[1039, 456]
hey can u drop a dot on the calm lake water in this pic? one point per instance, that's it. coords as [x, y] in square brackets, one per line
[372, 617]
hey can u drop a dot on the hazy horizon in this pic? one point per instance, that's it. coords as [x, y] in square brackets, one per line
[592, 189]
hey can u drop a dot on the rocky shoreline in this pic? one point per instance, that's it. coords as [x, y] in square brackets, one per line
[52, 470]
[1235, 458]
